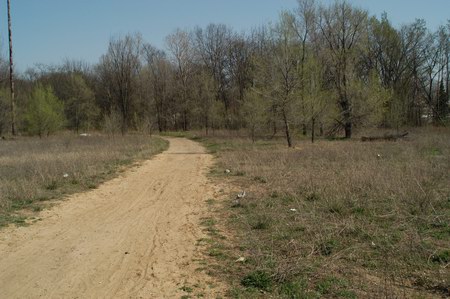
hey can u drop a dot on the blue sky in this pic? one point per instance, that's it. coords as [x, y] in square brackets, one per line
[47, 31]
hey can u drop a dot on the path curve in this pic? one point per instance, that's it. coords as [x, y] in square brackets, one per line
[133, 237]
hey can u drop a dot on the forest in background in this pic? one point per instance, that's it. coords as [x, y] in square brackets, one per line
[319, 70]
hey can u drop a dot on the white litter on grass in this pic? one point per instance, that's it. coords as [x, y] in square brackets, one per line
[378, 156]
[293, 210]
[240, 260]
[241, 194]
[85, 135]
[373, 244]
[66, 175]
[227, 171]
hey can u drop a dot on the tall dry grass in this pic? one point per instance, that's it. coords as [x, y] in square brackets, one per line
[33, 171]
[342, 218]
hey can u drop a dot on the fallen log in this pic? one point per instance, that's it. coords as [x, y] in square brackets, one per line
[387, 137]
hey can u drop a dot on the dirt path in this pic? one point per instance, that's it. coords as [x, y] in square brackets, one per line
[133, 237]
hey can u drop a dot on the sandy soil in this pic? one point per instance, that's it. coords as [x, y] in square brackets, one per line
[133, 237]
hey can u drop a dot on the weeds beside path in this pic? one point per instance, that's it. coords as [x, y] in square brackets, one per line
[334, 219]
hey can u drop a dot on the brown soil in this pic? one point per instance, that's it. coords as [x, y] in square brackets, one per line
[133, 237]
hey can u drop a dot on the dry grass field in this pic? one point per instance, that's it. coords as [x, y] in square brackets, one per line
[333, 219]
[34, 171]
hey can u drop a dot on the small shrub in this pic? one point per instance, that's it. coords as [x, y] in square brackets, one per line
[262, 222]
[37, 208]
[258, 279]
[53, 185]
[91, 185]
[335, 208]
[442, 257]
[288, 198]
[327, 247]
[42, 198]
[312, 197]
[274, 194]
[260, 179]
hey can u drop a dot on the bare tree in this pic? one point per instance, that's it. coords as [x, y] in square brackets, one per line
[240, 64]
[212, 46]
[119, 69]
[343, 28]
[278, 78]
[203, 84]
[303, 23]
[160, 73]
[430, 72]
[181, 48]
[315, 101]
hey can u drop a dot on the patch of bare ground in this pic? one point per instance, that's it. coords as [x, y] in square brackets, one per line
[334, 219]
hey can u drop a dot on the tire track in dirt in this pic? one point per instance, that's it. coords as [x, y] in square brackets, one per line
[133, 237]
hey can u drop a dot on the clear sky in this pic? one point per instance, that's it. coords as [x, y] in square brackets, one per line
[47, 31]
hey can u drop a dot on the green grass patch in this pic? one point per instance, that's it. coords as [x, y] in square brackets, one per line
[259, 279]
[12, 219]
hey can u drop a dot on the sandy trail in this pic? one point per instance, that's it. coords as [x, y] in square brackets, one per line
[133, 237]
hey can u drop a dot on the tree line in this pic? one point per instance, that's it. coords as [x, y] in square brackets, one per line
[317, 70]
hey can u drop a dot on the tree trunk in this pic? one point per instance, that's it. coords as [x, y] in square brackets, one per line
[124, 127]
[348, 130]
[185, 120]
[286, 129]
[158, 117]
[11, 73]
[447, 74]
[274, 128]
[347, 114]
[313, 125]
